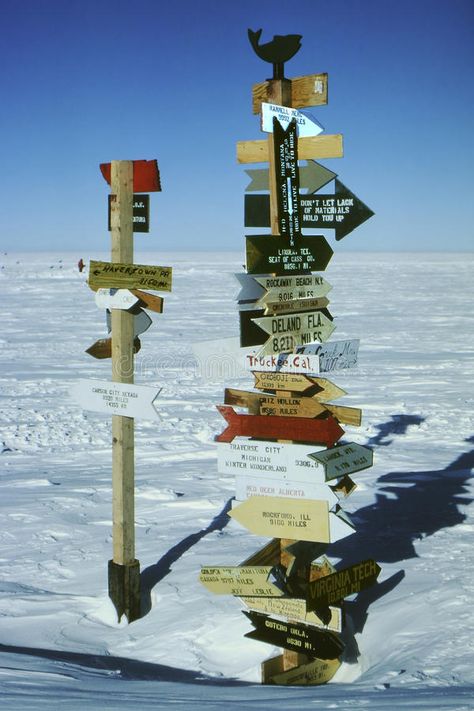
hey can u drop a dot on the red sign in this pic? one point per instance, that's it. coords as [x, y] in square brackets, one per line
[146, 176]
[299, 429]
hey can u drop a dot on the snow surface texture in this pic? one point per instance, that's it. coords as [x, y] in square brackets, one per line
[60, 643]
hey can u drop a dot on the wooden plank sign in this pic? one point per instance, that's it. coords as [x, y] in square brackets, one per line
[146, 176]
[334, 588]
[303, 429]
[294, 609]
[273, 308]
[295, 636]
[344, 459]
[287, 330]
[239, 580]
[312, 673]
[289, 463]
[313, 176]
[247, 486]
[270, 254]
[129, 276]
[286, 179]
[306, 125]
[284, 364]
[319, 388]
[336, 355]
[116, 398]
[287, 288]
[115, 299]
[308, 90]
[322, 146]
[103, 348]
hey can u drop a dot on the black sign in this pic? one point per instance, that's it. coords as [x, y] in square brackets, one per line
[271, 254]
[301, 638]
[250, 333]
[141, 213]
[287, 180]
[335, 587]
[342, 211]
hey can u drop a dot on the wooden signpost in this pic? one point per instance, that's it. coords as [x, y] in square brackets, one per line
[283, 307]
[118, 285]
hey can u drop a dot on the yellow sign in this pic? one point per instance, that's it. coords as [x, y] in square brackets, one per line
[318, 671]
[114, 275]
[239, 580]
[294, 609]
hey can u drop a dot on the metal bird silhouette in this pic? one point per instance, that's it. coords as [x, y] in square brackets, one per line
[277, 52]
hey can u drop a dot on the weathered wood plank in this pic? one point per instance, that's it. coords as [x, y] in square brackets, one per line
[322, 146]
[309, 90]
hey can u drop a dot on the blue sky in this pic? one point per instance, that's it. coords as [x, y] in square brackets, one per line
[85, 82]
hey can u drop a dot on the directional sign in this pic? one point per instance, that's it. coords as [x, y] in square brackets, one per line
[309, 90]
[286, 179]
[273, 308]
[270, 254]
[284, 363]
[247, 486]
[313, 176]
[319, 388]
[129, 276]
[344, 459]
[306, 125]
[295, 636]
[313, 673]
[103, 348]
[140, 213]
[141, 322]
[336, 355]
[115, 299]
[283, 288]
[149, 301]
[334, 588]
[239, 580]
[322, 146]
[287, 330]
[293, 609]
[302, 429]
[116, 398]
[146, 176]
[288, 463]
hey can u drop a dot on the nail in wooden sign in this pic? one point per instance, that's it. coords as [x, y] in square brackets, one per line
[287, 331]
[270, 460]
[294, 609]
[284, 364]
[140, 213]
[324, 432]
[306, 125]
[336, 355]
[272, 254]
[239, 580]
[122, 299]
[308, 90]
[344, 459]
[313, 176]
[294, 636]
[322, 146]
[146, 176]
[334, 588]
[129, 276]
[116, 398]
[320, 388]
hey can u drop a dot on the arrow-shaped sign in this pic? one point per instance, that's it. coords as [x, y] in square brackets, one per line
[334, 588]
[342, 211]
[344, 459]
[103, 348]
[336, 355]
[270, 254]
[149, 301]
[239, 580]
[320, 388]
[312, 175]
[146, 176]
[286, 178]
[287, 330]
[306, 125]
[302, 429]
[141, 322]
[271, 460]
[273, 308]
[283, 363]
[294, 609]
[264, 289]
[247, 486]
[294, 636]
[122, 299]
[116, 398]
[315, 672]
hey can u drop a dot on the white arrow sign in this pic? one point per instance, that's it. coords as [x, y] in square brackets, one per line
[335, 355]
[141, 322]
[116, 398]
[268, 460]
[306, 125]
[247, 485]
[122, 299]
[283, 363]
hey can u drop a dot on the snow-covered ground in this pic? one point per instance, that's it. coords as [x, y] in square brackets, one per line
[60, 643]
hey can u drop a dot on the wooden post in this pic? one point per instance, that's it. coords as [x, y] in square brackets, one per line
[124, 569]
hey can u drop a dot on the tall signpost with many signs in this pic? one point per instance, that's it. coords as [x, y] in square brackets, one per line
[293, 468]
[118, 285]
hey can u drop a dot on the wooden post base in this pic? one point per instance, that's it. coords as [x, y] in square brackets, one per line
[124, 589]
